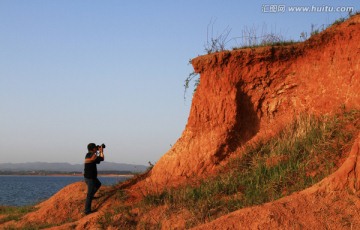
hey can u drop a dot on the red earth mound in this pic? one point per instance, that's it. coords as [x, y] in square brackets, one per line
[64, 206]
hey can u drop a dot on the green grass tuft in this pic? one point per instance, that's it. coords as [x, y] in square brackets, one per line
[268, 44]
[14, 213]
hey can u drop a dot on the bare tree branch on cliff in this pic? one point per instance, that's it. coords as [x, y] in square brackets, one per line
[216, 44]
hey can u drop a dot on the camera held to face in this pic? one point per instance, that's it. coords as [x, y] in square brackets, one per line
[101, 146]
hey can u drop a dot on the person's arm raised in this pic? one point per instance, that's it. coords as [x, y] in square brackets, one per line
[91, 159]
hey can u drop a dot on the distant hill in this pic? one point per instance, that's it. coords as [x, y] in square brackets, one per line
[67, 167]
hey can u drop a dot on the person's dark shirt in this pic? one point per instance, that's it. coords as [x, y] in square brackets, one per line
[90, 169]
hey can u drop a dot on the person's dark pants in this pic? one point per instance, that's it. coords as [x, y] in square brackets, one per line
[93, 185]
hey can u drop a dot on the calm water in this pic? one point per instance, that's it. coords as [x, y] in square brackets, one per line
[27, 190]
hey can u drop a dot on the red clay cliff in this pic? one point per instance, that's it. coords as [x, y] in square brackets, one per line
[251, 93]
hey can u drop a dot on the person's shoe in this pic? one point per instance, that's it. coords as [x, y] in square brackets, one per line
[87, 213]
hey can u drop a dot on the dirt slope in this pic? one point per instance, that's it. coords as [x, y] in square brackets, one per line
[65, 206]
[64, 209]
[333, 203]
[249, 93]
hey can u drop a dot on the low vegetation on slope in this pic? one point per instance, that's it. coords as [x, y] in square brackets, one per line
[303, 154]
[13, 213]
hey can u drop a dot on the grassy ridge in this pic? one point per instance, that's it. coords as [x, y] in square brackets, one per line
[301, 155]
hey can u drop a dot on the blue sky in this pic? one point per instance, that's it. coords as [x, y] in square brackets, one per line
[76, 71]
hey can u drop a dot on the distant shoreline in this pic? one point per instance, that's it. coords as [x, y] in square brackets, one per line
[69, 175]
[99, 175]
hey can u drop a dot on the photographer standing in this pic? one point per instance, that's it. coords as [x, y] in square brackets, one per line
[92, 158]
